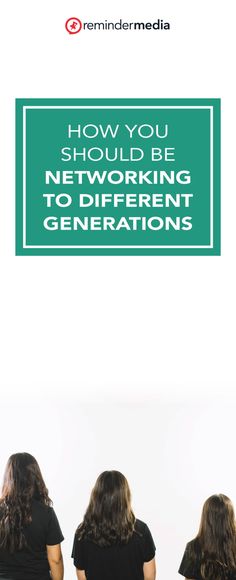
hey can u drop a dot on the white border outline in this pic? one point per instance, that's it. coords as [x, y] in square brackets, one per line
[26, 107]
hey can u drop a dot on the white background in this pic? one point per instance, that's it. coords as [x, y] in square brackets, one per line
[121, 362]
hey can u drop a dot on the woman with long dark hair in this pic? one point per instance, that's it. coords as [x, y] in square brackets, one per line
[212, 554]
[30, 534]
[110, 543]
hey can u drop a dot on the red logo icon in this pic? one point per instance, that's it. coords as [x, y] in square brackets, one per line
[73, 25]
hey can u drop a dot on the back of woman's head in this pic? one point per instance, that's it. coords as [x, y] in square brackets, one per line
[22, 483]
[217, 538]
[109, 517]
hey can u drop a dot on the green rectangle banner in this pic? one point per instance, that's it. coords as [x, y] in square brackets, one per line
[118, 176]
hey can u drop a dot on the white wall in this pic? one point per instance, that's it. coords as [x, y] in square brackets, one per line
[173, 454]
[124, 363]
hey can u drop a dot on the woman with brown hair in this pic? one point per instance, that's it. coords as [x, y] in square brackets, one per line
[212, 554]
[30, 534]
[111, 544]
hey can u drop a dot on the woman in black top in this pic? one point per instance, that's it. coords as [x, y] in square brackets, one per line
[111, 544]
[30, 534]
[212, 554]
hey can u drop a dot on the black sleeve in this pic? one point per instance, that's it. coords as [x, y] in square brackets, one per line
[149, 547]
[78, 553]
[54, 534]
[188, 566]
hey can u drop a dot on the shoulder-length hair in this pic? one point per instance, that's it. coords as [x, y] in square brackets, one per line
[217, 538]
[22, 483]
[109, 518]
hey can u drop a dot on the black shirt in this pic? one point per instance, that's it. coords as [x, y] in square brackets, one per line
[31, 563]
[116, 562]
[190, 566]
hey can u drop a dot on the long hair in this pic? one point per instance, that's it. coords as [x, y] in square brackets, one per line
[217, 538]
[109, 518]
[22, 483]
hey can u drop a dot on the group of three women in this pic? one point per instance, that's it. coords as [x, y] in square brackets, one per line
[110, 543]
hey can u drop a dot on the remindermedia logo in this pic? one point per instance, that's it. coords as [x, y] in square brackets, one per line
[74, 25]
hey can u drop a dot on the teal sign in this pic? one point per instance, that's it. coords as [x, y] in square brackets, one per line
[118, 177]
